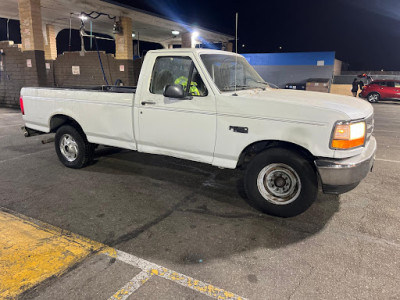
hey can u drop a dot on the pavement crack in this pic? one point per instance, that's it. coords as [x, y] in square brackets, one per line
[288, 225]
[176, 207]
[135, 233]
[206, 211]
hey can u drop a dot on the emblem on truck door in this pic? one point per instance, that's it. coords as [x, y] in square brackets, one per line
[239, 129]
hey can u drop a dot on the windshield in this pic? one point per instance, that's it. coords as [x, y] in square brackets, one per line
[222, 68]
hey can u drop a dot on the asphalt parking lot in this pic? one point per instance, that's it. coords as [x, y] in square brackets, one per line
[183, 230]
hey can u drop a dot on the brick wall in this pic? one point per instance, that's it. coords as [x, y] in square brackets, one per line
[15, 72]
[90, 70]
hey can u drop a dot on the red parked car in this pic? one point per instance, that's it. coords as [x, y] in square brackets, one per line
[381, 89]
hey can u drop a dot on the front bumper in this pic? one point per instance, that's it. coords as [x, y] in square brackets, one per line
[342, 175]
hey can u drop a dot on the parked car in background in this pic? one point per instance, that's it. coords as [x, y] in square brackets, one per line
[381, 89]
[296, 86]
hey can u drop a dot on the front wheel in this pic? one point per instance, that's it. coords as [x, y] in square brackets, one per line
[72, 147]
[280, 182]
[373, 97]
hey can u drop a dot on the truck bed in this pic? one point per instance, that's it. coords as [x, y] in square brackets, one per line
[105, 113]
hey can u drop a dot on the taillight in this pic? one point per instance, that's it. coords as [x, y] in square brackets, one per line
[21, 105]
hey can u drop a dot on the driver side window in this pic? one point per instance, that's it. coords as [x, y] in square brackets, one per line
[170, 70]
[390, 84]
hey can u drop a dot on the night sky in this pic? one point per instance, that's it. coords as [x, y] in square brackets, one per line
[364, 33]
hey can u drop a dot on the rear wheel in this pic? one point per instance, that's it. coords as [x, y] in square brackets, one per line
[72, 147]
[280, 182]
[373, 97]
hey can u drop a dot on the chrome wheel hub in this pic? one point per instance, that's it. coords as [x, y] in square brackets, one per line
[69, 147]
[279, 184]
[373, 98]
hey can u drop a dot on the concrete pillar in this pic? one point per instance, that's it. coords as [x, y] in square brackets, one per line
[228, 46]
[31, 25]
[164, 45]
[186, 40]
[124, 52]
[50, 46]
[32, 42]
[123, 41]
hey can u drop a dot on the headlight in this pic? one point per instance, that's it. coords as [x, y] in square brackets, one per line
[348, 135]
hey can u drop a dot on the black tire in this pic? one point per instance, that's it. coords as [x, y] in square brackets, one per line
[77, 151]
[292, 184]
[373, 97]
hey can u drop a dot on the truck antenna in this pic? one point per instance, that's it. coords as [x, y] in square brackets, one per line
[237, 17]
[236, 38]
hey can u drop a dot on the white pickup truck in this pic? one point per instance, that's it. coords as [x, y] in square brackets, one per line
[212, 107]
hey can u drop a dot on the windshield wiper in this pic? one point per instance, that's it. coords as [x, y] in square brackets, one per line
[243, 86]
[272, 85]
[232, 87]
[251, 86]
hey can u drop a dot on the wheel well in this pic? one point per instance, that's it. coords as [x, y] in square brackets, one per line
[58, 120]
[374, 92]
[253, 149]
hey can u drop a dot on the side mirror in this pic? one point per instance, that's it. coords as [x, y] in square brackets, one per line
[174, 91]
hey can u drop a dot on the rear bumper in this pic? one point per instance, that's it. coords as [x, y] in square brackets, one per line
[342, 175]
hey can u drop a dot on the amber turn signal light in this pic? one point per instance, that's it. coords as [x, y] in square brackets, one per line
[348, 135]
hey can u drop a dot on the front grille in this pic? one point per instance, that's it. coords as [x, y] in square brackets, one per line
[370, 126]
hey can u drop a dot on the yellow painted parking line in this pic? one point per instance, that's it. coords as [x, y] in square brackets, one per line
[31, 251]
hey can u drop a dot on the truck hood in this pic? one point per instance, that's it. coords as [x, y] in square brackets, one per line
[353, 107]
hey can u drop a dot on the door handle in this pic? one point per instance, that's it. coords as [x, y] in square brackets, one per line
[148, 102]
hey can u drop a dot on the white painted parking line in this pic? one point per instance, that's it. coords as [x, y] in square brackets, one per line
[387, 146]
[6, 115]
[8, 126]
[388, 160]
[384, 120]
[152, 269]
[134, 284]
[25, 155]
[385, 131]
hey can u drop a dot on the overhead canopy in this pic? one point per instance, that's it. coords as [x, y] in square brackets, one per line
[150, 27]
